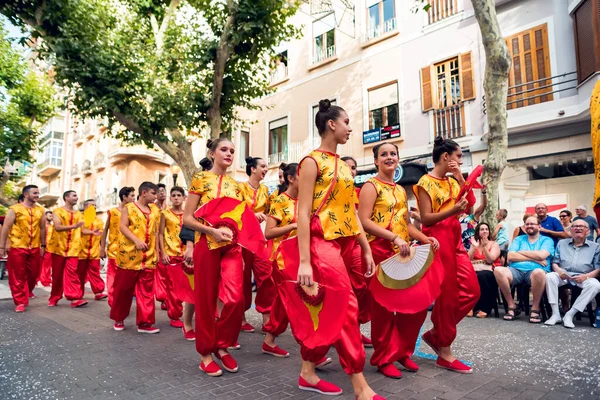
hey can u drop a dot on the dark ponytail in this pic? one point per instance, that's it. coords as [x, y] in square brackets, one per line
[441, 146]
[326, 112]
[288, 170]
[251, 162]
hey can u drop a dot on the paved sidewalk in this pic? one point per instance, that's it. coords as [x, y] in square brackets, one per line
[60, 353]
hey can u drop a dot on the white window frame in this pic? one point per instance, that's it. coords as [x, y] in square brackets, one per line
[268, 133]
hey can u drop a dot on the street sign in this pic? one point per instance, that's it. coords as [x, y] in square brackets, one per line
[371, 136]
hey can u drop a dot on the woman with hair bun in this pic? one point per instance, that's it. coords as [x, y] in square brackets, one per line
[218, 265]
[328, 227]
[440, 208]
[257, 198]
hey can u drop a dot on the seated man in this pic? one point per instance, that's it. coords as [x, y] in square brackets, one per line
[529, 259]
[576, 263]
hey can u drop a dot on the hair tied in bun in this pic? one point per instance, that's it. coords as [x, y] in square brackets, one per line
[209, 143]
[324, 105]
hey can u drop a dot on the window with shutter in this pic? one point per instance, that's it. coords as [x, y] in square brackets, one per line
[383, 106]
[586, 19]
[426, 95]
[530, 65]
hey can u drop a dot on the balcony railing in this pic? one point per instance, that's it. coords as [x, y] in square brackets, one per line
[99, 161]
[381, 29]
[449, 122]
[324, 54]
[440, 9]
[74, 170]
[87, 167]
[539, 91]
[278, 158]
[49, 166]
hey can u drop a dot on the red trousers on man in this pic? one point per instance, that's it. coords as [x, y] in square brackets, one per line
[218, 274]
[89, 271]
[265, 287]
[356, 274]
[394, 334]
[24, 270]
[174, 305]
[460, 288]
[46, 270]
[65, 278]
[330, 260]
[160, 281]
[111, 271]
[128, 283]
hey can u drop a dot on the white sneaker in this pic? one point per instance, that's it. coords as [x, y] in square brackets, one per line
[568, 322]
[553, 320]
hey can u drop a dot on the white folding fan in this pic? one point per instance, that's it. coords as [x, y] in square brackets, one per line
[403, 272]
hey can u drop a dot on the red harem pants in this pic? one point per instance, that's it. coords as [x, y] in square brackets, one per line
[460, 288]
[111, 271]
[46, 269]
[174, 305]
[278, 322]
[359, 285]
[218, 274]
[265, 287]
[394, 334]
[89, 270]
[330, 260]
[24, 270]
[127, 283]
[65, 277]
[160, 278]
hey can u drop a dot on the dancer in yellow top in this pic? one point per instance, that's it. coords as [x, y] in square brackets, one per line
[89, 257]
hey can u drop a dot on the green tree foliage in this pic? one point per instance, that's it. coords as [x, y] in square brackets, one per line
[157, 69]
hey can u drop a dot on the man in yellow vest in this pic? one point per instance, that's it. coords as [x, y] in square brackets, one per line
[25, 227]
[136, 261]
[65, 246]
[89, 257]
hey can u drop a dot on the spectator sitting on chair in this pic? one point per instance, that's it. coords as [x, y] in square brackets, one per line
[549, 226]
[529, 259]
[520, 230]
[581, 212]
[485, 256]
[576, 262]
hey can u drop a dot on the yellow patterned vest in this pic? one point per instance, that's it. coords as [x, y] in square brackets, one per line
[90, 244]
[114, 231]
[442, 192]
[25, 232]
[66, 243]
[49, 230]
[173, 224]
[144, 227]
[337, 216]
[284, 209]
[257, 200]
[209, 186]
[390, 208]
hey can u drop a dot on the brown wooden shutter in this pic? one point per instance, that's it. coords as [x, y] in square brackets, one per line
[426, 93]
[467, 82]
[587, 38]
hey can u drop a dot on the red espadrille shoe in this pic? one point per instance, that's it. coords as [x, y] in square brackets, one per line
[212, 369]
[247, 328]
[78, 303]
[188, 335]
[229, 363]
[323, 362]
[409, 364]
[119, 325]
[390, 371]
[100, 296]
[176, 323]
[151, 329]
[322, 387]
[376, 397]
[274, 351]
[31, 295]
[236, 346]
[163, 306]
[20, 308]
[455, 366]
[367, 343]
[428, 340]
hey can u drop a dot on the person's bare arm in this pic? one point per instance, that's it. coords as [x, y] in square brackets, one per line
[515, 233]
[479, 210]
[273, 231]
[124, 228]
[192, 223]
[9, 220]
[308, 177]
[43, 235]
[366, 248]
[429, 218]
[104, 236]
[416, 234]
[59, 227]
[368, 196]
[160, 239]
[492, 254]
[535, 255]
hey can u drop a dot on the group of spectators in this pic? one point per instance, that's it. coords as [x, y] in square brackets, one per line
[545, 253]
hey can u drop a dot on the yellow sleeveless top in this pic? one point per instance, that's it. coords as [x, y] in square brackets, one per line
[337, 216]
[144, 227]
[25, 232]
[442, 192]
[173, 224]
[49, 230]
[114, 231]
[209, 186]
[66, 243]
[390, 208]
[257, 200]
[90, 244]
[284, 209]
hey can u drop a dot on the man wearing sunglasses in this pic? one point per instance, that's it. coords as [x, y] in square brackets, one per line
[576, 262]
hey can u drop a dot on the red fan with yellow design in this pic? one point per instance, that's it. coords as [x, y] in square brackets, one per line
[408, 284]
[316, 313]
[287, 258]
[470, 184]
[182, 277]
[236, 217]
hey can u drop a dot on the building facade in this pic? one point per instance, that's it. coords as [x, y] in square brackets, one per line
[406, 77]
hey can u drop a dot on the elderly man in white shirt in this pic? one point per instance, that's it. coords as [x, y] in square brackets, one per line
[576, 262]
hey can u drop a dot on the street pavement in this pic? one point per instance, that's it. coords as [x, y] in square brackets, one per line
[63, 353]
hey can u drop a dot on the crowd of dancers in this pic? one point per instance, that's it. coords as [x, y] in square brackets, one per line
[340, 237]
